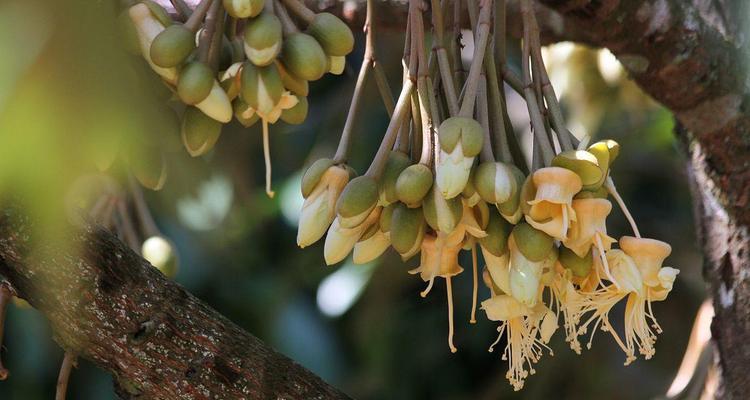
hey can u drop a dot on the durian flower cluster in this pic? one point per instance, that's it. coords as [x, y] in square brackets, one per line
[549, 260]
[241, 59]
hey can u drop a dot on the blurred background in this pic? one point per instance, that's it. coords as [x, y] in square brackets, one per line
[70, 95]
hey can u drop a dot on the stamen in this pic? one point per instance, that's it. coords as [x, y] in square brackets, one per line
[473, 319]
[605, 264]
[267, 158]
[450, 314]
[429, 286]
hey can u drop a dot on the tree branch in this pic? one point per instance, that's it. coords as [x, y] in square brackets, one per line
[108, 305]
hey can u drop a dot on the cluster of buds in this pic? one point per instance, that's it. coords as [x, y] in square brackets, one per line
[241, 59]
[437, 188]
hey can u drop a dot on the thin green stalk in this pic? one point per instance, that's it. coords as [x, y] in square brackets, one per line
[300, 10]
[182, 9]
[472, 81]
[399, 112]
[486, 154]
[449, 86]
[496, 106]
[194, 22]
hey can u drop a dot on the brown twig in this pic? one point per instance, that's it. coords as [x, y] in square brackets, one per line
[69, 361]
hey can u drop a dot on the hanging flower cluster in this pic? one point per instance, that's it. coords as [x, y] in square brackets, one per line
[245, 59]
[449, 176]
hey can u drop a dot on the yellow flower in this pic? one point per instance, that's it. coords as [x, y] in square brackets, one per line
[551, 210]
[648, 254]
[590, 228]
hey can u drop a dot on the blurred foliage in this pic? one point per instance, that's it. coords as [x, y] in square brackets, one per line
[69, 96]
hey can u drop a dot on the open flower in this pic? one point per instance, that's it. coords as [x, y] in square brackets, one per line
[648, 255]
[551, 210]
[589, 228]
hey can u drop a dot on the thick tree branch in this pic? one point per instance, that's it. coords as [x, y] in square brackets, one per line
[108, 305]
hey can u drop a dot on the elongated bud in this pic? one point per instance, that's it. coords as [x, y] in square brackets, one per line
[413, 184]
[600, 150]
[357, 200]
[297, 114]
[158, 12]
[495, 182]
[303, 57]
[216, 105]
[385, 217]
[534, 244]
[148, 166]
[441, 214]
[148, 27]
[298, 86]
[313, 174]
[322, 185]
[498, 230]
[407, 227]
[341, 241]
[396, 163]
[172, 46]
[262, 39]
[162, 254]
[333, 34]
[579, 266]
[199, 132]
[195, 82]
[261, 88]
[584, 164]
[511, 209]
[369, 249]
[470, 194]
[243, 8]
[460, 141]
[525, 276]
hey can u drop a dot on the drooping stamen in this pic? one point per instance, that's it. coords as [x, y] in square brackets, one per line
[473, 319]
[609, 184]
[450, 314]
[267, 158]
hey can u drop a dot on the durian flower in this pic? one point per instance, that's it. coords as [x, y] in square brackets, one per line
[568, 301]
[371, 248]
[321, 192]
[439, 258]
[460, 140]
[589, 228]
[526, 275]
[147, 26]
[648, 254]
[551, 210]
[340, 241]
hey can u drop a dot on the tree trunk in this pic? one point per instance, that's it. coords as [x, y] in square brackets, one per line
[108, 305]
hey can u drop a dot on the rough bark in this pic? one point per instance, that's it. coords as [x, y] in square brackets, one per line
[108, 305]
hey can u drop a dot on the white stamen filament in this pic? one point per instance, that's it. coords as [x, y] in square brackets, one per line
[473, 319]
[267, 158]
[449, 291]
[609, 184]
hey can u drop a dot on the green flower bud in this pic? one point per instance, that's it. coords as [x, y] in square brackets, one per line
[333, 34]
[442, 214]
[579, 266]
[172, 46]
[303, 57]
[495, 182]
[298, 86]
[600, 193]
[195, 82]
[583, 163]
[385, 217]
[336, 65]
[407, 228]
[262, 39]
[511, 208]
[413, 184]
[396, 163]
[470, 191]
[148, 166]
[528, 193]
[158, 12]
[230, 80]
[466, 130]
[199, 131]
[534, 244]
[614, 149]
[357, 200]
[244, 114]
[161, 253]
[297, 114]
[496, 241]
[601, 152]
[313, 174]
[261, 87]
[147, 28]
[371, 247]
[243, 8]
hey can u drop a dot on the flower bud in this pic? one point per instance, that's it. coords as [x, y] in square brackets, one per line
[336, 65]
[334, 35]
[322, 185]
[470, 194]
[499, 270]
[579, 266]
[262, 89]
[357, 200]
[495, 182]
[148, 27]
[195, 82]
[407, 229]
[396, 163]
[262, 39]
[551, 209]
[230, 80]
[525, 275]
[216, 105]
[303, 57]
[340, 241]
[243, 8]
[385, 217]
[648, 255]
[369, 249]
[460, 141]
[148, 165]
[498, 230]
[511, 209]
[199, 132]
[413, 184]
[584, 164]
[298, 86]
[534, 244]
[160, 252]
[297, 114]
[441, 214]
[158, 12]
[172, 46]
[244, 114]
